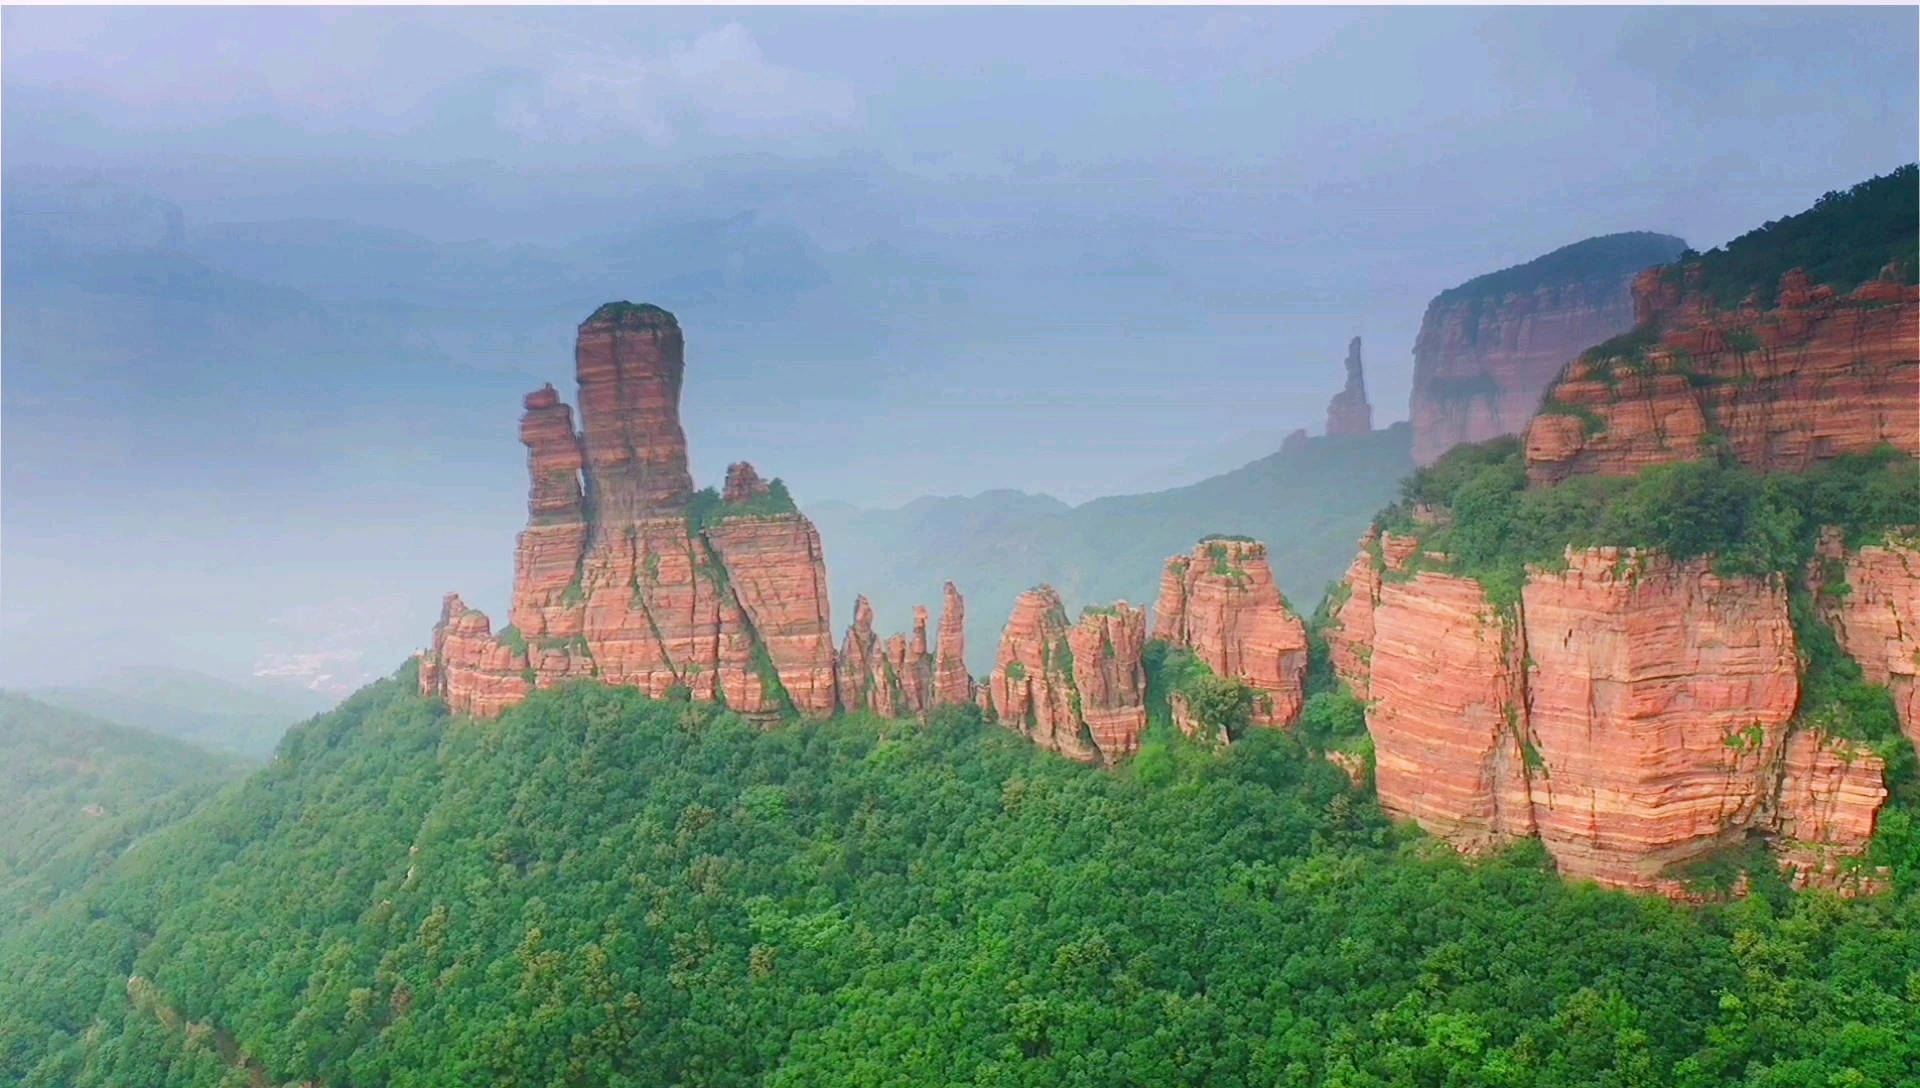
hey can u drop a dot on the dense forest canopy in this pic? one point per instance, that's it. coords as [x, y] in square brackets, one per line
[1845, 239]
[602, 889]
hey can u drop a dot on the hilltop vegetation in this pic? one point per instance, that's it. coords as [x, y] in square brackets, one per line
[602, 889]
[76, 792]
[1845, 239]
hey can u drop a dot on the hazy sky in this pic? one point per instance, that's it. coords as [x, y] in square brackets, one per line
[1288, 178]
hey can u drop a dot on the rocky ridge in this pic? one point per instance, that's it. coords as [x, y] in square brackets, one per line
[1488, 348]
[1818, 375]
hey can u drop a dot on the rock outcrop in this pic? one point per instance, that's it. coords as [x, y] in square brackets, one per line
[1876, 616]
[1221, 603]
[1635, 713]
[1816, 376]
[744, 484]
[1349, 412]
[1080, 689]
[952, 683]
[613, 580]
[867, 680]
[1488, 348]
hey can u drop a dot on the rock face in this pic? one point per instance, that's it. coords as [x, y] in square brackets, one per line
[1633, 712]
[1488, 348]
[1877, 618]
[1349, 412]
[1817, 376]
[1079, 690]
[743, 484]
[867, 680]
[613, 581]
[1658, 701]
[952, 683]
[1221, 603]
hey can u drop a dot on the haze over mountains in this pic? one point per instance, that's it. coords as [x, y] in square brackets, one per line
[255, 385]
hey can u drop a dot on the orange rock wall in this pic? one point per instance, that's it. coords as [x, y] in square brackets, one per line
[778, 572]
[1111, 678]
[1658, 701]
[1448, 712]
[1818, 376]
[1877, 618]
[1221, 603]
[1633, 712]
[1032, 689]
[1480, 365]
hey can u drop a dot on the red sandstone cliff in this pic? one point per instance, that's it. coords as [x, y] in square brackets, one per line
[1221, 603]
[1817, 376]
[1349, 412]
[1633, 712]
[1078, 689]
[1876, 617]
[612, 580]
[1488, 348]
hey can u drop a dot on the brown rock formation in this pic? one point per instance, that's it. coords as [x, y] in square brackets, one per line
[952, 683]
[616, 583]
[1349, 412]
[1448, 703]
[1221, 603]
[1488, 348]
[1818, 376]
[1633, 712]
[474, 672]
[778, 573]
[1032, 686]
[1830, 797]
[630, 361]
[743, 484]
[867, 679]
[1658, 702]
[1110, 677]
[1877, 618]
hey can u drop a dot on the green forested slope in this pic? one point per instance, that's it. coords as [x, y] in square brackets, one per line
[76, 791]
[603, 890]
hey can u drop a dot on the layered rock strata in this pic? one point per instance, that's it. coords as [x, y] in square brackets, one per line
[1221, 603]
[952, 683]
[611, 578]
[1633, 712]
[1874, 610]
[1076, 689]
[1488, 348]
[1817, 376]
[1349, 412]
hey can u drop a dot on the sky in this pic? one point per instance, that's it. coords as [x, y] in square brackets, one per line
[1071, 251]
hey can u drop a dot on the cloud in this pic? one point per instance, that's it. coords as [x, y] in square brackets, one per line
[551, 76]
[719, 83]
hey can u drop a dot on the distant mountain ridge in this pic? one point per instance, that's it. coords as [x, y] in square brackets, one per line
[1308, 504]
[205, 711]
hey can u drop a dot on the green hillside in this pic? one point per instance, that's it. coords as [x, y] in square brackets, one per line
[75, 792]
[599, 889]
[204, 710]
[1309, 505]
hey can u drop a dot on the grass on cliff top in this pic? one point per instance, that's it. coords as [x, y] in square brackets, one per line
[1845, 239]
[1492, 525]
[1607, 259]
[707, 508]
[633, 315]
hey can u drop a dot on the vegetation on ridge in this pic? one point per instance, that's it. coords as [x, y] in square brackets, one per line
[1845, 239]
[603, 889]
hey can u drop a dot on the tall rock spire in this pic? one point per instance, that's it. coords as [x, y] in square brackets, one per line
[1349, 412]
[630, 360]
[952, 683]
